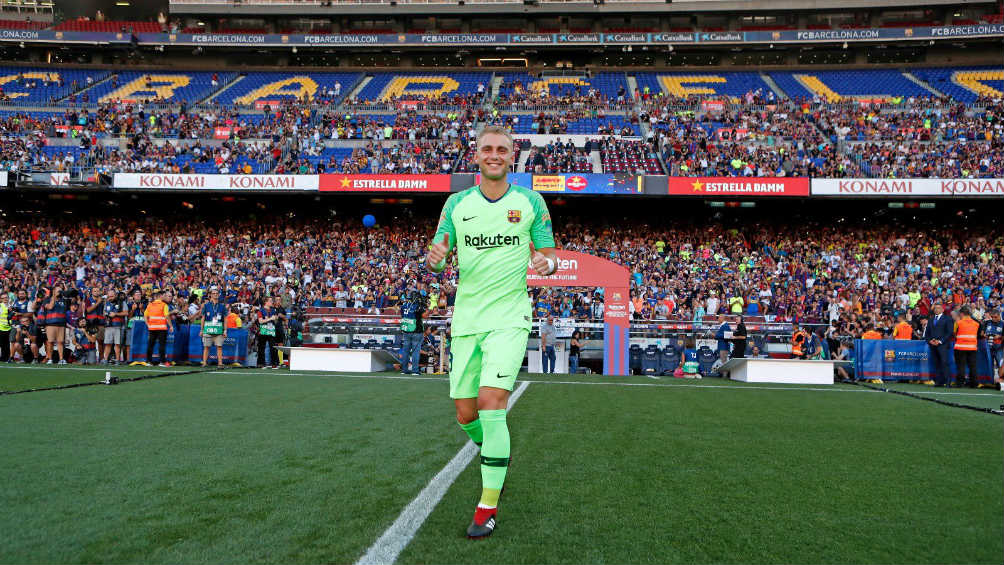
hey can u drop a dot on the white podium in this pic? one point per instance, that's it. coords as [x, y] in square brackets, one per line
[534, 363]
[338, 359]
[790, 371]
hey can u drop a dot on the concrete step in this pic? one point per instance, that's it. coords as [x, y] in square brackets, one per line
[773, 86]
[219, 91]
[922, 84]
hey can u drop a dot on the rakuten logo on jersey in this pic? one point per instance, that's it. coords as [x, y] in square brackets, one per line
[481, 242]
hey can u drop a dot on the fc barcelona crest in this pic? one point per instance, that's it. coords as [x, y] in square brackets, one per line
[515, 216]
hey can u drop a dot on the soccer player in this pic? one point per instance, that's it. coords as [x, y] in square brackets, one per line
[496, 228]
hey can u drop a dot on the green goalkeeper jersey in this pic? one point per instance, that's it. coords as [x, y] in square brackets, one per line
[493, 251]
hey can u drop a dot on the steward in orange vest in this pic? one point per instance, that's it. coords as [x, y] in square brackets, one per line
[870, 333]
[903, 329]
[799, 339]
[966, 345]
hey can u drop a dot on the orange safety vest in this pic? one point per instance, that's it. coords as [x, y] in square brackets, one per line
[871, 334]
[156, 314]
[798, 340]
[233, 321]
[965, 334]
[904, 331]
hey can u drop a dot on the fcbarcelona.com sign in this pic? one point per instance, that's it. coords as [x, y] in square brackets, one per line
[738, 186]
[384, 183]
[156, 181]
[907, 188]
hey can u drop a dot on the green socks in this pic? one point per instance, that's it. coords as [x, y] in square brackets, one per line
[473, 430]
[494, 455]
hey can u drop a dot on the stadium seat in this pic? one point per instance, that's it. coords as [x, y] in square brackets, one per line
[634, 358]
[384, 86]
[285, 86]
[46, 83]
[706, 358]
[174, 87]
[964, 84]
[108, 26]
[650, 361]
[838, 85]
[732, 84]
[670, 361]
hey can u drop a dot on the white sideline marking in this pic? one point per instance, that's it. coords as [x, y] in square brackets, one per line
[659, 385]
[389, 545]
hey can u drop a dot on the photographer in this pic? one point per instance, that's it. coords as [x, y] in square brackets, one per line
[115, 311]
[94, 313]
[84, 342]
[55, 320]
[412, 312]
[269, 318]
[135, 308]
[213, 331]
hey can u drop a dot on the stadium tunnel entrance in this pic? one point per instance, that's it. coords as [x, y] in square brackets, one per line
[584, 270]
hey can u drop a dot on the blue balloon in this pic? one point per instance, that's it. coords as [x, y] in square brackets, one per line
[369, 221]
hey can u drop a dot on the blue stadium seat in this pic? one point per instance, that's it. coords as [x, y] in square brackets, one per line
[420, 83]
[634, 357]
[670, 361]
[283, 86]
[735, 85]
[863, 83]
[964, 83]
[174, 86]
[706, 358]
[650, 361]
[607, 84]
[44, 92]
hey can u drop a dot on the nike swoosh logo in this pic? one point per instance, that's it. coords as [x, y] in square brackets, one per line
[471, 218]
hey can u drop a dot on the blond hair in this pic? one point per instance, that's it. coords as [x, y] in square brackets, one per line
[498, 130]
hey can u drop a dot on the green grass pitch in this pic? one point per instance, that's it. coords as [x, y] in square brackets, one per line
[276, 467]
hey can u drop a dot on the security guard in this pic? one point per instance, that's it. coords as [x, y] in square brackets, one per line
[799, 341]
[966, 347]
[5, 328]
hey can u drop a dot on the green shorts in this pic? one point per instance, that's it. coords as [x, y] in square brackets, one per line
[486, 359]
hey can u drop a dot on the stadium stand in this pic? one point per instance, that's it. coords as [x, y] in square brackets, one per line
[256, 87]
[22, 24]
[965, 84]
[108, 26]
[684, 85]
[173, 87]
[834, 86]
[414, 86]
[39, 85]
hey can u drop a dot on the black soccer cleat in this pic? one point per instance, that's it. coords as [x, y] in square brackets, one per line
[483, 524]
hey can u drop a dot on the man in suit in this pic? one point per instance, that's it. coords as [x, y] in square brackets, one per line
[938, 334]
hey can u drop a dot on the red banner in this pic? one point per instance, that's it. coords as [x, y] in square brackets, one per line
[221, 132]
[739, 186]
[385, 183]
[260, 104]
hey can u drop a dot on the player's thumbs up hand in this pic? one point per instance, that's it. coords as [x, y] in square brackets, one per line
[438, 251]
[540, 263]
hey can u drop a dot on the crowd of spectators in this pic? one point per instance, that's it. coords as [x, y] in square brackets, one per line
[558, 157]
[760, 136]
[686, 269]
